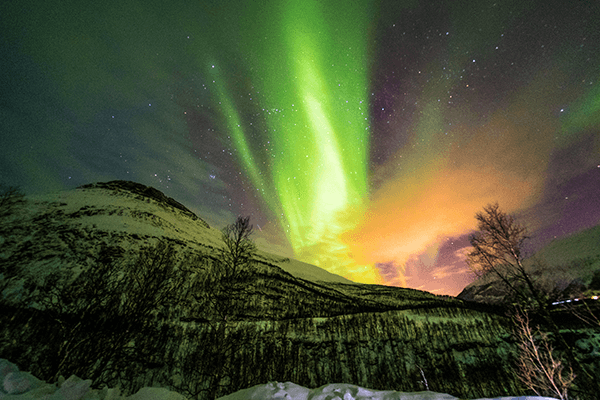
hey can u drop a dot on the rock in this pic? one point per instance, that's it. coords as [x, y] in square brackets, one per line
[72, 389]
[14, 381]
[6, 367]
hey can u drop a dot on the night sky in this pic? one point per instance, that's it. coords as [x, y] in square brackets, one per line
[360, 136]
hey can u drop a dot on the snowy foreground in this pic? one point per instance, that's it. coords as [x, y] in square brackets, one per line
[340, 391]
[18, 385]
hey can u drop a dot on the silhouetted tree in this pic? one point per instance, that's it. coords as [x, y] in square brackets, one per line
[221, 292]
[10, 197]
[498, 249]
[239, 249]
[102, 310]
[537, 366]
[219, 287]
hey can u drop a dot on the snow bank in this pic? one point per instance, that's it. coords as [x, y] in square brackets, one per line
[18, 385]
[337, 391]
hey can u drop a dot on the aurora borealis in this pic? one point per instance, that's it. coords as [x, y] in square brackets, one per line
[316, 99]
[360, 136]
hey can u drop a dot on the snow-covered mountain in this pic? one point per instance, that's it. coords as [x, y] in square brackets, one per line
[285, 320]
[67, 229]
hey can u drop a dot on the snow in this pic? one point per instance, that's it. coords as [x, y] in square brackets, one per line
[340, 391]
[19, 385]
[305, 271]
[171, 223]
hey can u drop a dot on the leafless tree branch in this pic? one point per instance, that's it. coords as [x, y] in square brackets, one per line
[538, 368]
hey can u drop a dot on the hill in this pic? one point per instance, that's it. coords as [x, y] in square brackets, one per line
[117, 282]
[57, 229]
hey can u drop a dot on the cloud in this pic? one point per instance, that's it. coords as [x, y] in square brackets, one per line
[461, 254]
[447, 271]
[438, 187]
[391, 273]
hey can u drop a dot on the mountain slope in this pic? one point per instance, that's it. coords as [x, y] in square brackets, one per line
[67, 229]
[279, 325]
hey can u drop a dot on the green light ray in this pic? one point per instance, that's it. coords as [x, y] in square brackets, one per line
[310, 62]
[234, 126]
[325, 186]
[585, 112]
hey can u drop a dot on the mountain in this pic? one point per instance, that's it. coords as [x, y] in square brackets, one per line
[67, 228]
[569, 267]
[212, 334]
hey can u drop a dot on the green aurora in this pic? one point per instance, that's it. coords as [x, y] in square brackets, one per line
[316, 106]
[360, 136]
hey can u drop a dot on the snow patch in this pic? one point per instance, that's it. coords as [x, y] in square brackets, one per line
[15, 384]
[340, 391]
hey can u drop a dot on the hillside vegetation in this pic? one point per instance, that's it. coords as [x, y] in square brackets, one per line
[118, 287]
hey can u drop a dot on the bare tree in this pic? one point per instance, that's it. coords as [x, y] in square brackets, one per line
[9, 197]
[498, 250]
[100, 312]
[538, 368]
[219, 292]
[239, 249]
[220, 286]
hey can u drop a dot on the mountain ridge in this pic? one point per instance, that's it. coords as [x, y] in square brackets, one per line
[117, 213]
[144, 191]
[306, 326]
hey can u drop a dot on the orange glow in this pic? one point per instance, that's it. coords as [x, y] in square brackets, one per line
[437, 192]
